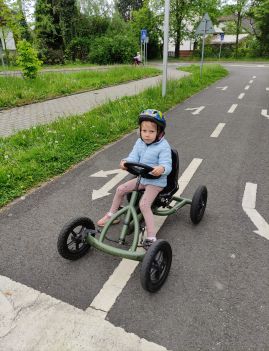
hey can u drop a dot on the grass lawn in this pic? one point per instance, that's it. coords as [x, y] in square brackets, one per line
[16, 91]
[35, 155]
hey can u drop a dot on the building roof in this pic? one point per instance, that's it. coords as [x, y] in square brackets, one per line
[228, 39]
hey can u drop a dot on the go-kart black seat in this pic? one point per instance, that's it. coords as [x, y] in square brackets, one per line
[171, 188]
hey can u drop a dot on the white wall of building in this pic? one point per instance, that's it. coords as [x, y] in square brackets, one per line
[9, 40]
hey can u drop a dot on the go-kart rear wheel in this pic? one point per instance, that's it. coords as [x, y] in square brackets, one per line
[198, 204]
[71, 240]
[156, 265]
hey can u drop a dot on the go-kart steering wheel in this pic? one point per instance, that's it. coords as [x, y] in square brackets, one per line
[140, 169]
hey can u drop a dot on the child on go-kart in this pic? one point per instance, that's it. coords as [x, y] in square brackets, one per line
[153, 150]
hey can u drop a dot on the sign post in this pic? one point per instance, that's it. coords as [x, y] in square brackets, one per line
[205, 27]
[221, 39]
[165, 45]
[143, 39]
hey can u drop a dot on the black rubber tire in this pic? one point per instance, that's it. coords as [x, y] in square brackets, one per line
[156, 265]
[69, 232]
[198, 204]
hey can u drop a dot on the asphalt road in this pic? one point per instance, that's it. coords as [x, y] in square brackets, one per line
[216, 296]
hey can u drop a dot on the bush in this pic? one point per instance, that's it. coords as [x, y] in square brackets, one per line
[27, 59]
[78, 49]
[52, 56]
[117, 49]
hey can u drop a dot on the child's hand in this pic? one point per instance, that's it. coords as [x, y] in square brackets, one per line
[158, 170]
[122, 163]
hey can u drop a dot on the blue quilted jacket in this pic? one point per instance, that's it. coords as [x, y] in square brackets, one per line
[156, 154]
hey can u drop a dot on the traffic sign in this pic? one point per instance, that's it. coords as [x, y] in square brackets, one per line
[205, 26]
[143, 35]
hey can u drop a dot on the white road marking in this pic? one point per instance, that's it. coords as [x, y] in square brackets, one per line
[264, 113]
[249, 206]
[251, 81]
[260, 66]
[247, 87]
[104, 190]
[232, 108]
[254, 77]
[240, 96]
[119, 278]
[197, 109]
[218, 130]
[267, 89]
[222, 88]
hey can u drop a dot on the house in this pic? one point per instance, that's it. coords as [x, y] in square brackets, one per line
[187, 46]
[6, 40]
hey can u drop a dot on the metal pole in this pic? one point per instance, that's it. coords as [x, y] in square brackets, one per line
[165, 44]
[220, 49]
[144, 52]
[203, 48]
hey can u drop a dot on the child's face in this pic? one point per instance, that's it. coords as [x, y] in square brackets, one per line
[148, 132]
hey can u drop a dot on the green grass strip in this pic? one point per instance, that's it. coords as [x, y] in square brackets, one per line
[37, 154]
[15, 91]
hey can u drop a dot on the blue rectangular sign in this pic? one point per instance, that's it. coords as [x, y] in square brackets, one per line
[143, 34]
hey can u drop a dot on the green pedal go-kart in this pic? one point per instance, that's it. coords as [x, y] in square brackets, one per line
[78, 235]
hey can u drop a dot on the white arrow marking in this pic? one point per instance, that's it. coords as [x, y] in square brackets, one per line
[113, 287]
[264, 113]
[197, 110]
[104, 191]
[222, 88]
[249, 204]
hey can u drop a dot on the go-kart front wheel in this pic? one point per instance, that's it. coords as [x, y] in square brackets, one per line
[156, 265]
[198, 204]
[71, 240]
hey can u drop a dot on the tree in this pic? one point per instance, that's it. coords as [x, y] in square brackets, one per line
[145, 18]
[126, 7]
[9, 22]
[102, 8]
[186, 14]
[55, 27]
[260, 12]
[240, 9]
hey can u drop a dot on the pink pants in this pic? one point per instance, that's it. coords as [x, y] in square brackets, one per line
[151, 191]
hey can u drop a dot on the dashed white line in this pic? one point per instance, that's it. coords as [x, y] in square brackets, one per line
[251, 81]
[267, 89]
[119, 278]
[240, 96]
[218, 130]
[232, 108]
[247, 87]
[254, 77]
